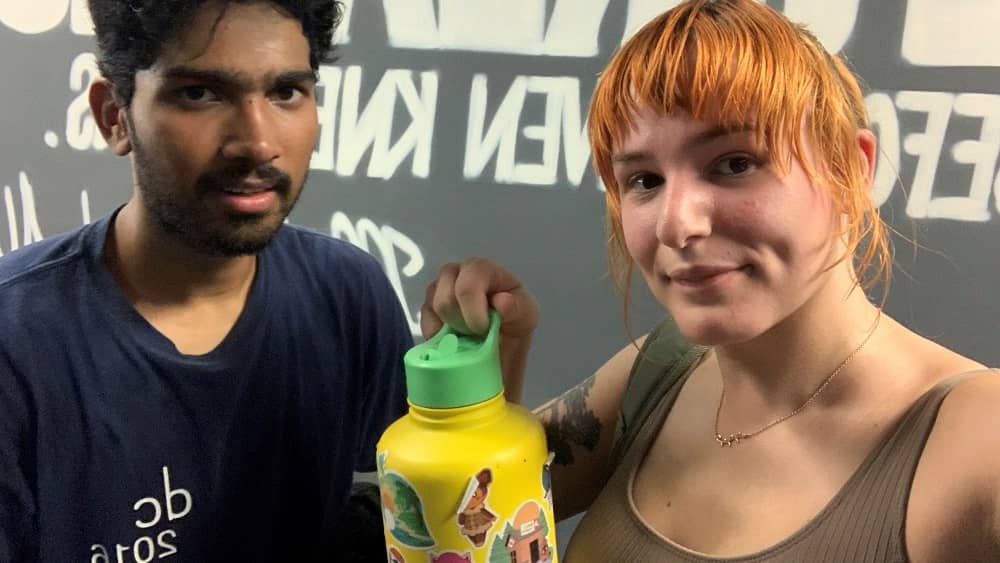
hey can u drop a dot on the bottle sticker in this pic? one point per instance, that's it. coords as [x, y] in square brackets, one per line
[547, 479]
[525, 538]
[395, 556]
[474, 516]
[451, 557]
[402, 510]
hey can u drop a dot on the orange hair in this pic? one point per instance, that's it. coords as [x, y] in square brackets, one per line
[721, 60]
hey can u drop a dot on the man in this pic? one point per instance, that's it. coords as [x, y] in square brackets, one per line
[188, 377]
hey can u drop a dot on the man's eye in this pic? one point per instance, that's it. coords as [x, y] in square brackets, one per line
[643, 182]
[735, 166]
[287, 93]
[197, 94]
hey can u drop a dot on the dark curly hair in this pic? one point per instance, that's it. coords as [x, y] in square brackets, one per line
[131, 33]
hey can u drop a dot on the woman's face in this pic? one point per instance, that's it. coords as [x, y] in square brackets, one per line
[725, 241]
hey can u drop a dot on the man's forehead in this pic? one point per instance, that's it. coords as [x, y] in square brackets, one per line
[218, 33]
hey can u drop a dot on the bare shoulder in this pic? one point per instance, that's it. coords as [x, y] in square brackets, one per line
[954, 510]
[971, 411]
[579, 427]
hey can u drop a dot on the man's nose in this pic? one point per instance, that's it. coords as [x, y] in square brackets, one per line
[252, 132]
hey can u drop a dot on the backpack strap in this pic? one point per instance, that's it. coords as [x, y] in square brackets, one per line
[664, 358]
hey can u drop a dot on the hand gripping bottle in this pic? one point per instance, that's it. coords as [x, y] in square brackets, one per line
[464, 475]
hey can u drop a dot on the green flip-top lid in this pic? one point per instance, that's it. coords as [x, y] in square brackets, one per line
[452, 370]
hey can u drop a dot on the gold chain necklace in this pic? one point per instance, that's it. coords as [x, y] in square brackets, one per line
[734, 439]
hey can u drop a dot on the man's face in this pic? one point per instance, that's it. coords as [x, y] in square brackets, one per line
[222, 128]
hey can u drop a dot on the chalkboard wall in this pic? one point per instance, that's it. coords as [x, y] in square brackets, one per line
[452, 128]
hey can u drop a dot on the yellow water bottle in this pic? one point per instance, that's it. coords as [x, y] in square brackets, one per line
[464, 475]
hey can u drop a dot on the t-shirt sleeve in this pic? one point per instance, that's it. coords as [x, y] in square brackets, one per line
[17, 507]
[388, 337]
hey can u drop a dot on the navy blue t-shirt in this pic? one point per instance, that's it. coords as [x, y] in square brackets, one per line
[115, 447]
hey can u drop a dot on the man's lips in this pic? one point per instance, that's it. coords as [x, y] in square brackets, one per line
[250, 187]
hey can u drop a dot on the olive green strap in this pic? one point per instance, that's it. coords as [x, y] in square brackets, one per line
[665, 356]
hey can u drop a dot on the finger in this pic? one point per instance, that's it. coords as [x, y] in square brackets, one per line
[472, 289]
[430, 323]
[444, 300]
[518, 310]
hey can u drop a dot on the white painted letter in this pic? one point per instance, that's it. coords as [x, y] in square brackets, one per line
[925, 146]
[500, 137]
[886, 123]
[981, 153]
[832, 21]
[81, 129]
[38, 17]
[952, 33]
[547, 172]
[329, 81]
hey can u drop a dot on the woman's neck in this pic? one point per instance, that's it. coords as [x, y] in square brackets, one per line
[780, 369]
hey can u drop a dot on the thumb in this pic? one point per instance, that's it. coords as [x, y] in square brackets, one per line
[517, 310]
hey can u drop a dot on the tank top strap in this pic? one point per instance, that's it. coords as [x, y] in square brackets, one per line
[870, 510]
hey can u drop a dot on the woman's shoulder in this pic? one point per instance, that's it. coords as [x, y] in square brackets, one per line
[956, 489]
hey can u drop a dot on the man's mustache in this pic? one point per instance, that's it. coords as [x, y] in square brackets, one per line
[228, 177]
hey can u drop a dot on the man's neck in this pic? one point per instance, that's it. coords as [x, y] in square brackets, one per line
[153, 267]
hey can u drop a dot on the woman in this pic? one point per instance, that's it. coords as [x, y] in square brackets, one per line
[809, 426]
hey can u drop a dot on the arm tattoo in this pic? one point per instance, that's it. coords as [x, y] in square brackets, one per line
[569, 421]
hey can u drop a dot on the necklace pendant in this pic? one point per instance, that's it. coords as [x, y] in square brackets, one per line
[729, 441]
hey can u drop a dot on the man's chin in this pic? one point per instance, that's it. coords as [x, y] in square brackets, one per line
[238, 240]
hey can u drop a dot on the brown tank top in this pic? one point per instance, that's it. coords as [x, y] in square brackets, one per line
[863, 523]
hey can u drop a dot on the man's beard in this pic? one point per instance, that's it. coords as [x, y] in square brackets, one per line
[183, 216]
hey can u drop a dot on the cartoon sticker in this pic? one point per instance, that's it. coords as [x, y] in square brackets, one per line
[395, 556]
[402, 510]
[451, 557]
[474, 516]
[547, 479]
[523, 539]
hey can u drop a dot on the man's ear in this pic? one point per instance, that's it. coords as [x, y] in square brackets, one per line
[109, 113]
[868, 147]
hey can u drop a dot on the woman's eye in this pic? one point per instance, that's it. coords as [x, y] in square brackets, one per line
[735, 166]
[643, 182]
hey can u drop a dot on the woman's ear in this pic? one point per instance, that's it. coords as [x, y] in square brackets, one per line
[868, 147]
[110, 115]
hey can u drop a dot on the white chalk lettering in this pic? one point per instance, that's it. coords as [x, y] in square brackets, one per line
[387, 241]
[42, 16]
[342, 34]
[46, 15]
[85, 206]
[882, 114]
[515, 27]
[82, 132]
[832, 21]
[954, 33]
[31, 231]
[562, 118]
[373, 127]
[981, 153]
[501, 135]
[925, 146]
[328, 96]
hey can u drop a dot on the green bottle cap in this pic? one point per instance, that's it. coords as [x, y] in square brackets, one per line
[452, 370]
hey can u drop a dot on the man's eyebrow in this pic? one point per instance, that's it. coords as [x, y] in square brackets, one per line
[237, 79]
[297, 76]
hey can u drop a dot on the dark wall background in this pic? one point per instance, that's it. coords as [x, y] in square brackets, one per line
[455, 127]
